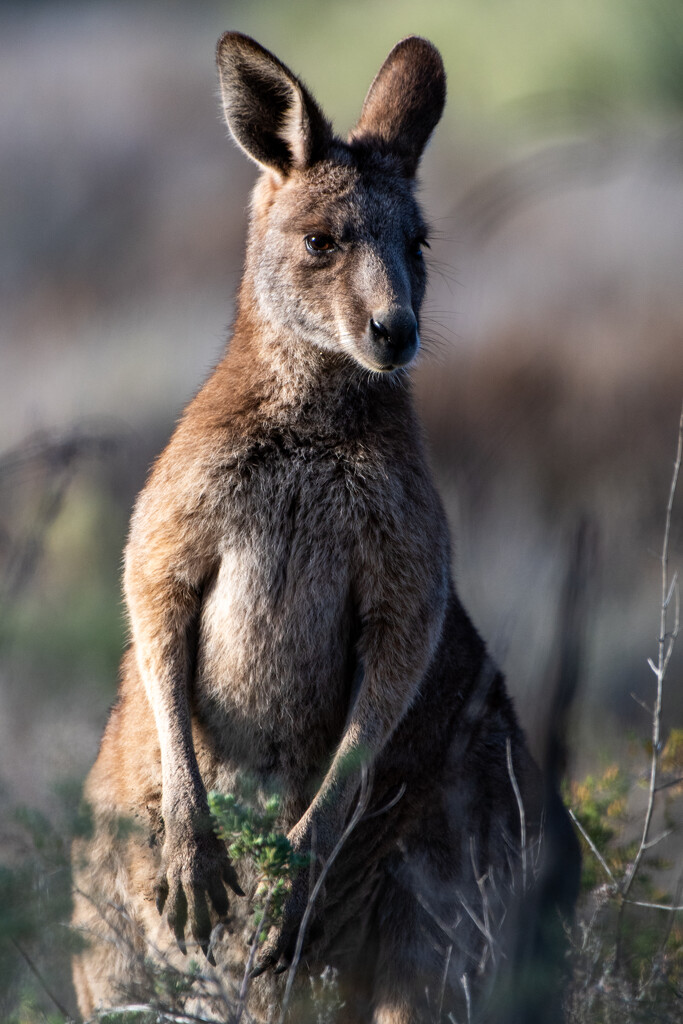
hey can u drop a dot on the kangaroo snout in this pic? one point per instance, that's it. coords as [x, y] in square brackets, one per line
[394, 339]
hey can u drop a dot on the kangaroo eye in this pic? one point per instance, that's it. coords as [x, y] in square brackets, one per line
[417, 245]
[319, 243]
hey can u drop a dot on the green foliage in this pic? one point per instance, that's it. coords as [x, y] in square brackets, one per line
[599, 803]
[672, 754]
[35, 904]
[171, 985]
[628, 961]
[252, 833]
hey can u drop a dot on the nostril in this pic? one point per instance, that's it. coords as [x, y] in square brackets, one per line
[378, 330]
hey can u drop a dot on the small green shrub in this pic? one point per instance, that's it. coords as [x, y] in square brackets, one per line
[251, 833]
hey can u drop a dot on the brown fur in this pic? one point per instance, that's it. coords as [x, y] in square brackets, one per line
[288, 583]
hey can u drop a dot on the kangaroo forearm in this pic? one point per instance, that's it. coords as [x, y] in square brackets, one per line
[182, 788]
[373, 721]
[161, 631]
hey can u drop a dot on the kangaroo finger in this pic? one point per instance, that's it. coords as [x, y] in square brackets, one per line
[230, 878]
[161, 893]
[177, 914]
[218, 897]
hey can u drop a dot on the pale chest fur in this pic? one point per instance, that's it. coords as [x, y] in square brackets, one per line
[276, 654]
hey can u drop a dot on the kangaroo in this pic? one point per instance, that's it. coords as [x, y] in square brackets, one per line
[293, 616]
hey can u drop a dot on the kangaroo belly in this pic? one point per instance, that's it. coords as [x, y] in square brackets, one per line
[275, 649]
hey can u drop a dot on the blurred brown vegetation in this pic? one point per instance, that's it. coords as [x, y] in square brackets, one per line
[552, 373]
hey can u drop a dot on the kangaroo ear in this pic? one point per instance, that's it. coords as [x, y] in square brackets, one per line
[271, 115]
[405, 102]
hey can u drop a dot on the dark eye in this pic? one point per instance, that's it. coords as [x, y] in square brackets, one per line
[319, 243]
[417, 245]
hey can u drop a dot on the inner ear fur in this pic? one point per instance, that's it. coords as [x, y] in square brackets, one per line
[269, 112]
[405, 102]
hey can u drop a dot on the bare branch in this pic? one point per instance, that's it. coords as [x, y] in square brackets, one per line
[642, 704]
[520, 806]
[48, 991]
[246, 977]
[162, 1016]
[480, 924]
[481, 886]
[468, 999]
[601, 860]
[361, 807]
[670, 783]
[654, 906]
[387, 807]
[658, 839]
[672, 588]
[444, 979]
[664, 650]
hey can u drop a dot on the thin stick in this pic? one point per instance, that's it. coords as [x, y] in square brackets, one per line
[481, 886]
[654, 906]
[33, 968]
[670, 783]
[361, 807]
[669, 927]
[468, 1001]
[387, 807]
[603, 863]
[244, 987]
[480, 924]
[448, 930]
[444, 979]
[520, 805]
[161, 1015]
[658, 839]
[642, 703]
[665, 645]
[121, 941]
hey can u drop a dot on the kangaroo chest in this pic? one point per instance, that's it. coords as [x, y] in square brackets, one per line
[276, 654]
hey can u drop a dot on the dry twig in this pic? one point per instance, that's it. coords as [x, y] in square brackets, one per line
[361, 807]
[665, 645]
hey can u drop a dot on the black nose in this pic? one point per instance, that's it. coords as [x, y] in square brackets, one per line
[394, 337]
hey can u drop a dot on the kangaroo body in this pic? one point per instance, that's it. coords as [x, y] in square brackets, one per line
[292, 610]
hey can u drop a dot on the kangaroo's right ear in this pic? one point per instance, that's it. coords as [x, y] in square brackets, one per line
[269, 112]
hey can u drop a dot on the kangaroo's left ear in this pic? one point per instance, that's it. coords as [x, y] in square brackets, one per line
[405, 102]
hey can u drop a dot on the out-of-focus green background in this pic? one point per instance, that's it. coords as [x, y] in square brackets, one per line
[552, 375]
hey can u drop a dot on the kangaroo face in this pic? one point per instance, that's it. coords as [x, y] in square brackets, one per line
[334, 257]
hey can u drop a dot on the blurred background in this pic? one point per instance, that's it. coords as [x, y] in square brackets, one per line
[552, 374]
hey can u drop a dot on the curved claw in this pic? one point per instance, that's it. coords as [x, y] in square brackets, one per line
[268, 957]
[277, 953]
[230, 878]
[200, 919]
[161, 893]
[260, 968]
[177, 916]
[218, 897]
[191, 881]
[208, 952]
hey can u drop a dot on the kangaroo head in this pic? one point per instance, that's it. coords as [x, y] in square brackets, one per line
[334, 256]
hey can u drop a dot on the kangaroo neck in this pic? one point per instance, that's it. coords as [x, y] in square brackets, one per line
[295, 382]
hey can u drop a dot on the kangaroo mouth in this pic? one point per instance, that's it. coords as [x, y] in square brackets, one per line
[377, 366]
[384, 361]
[381, 352]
